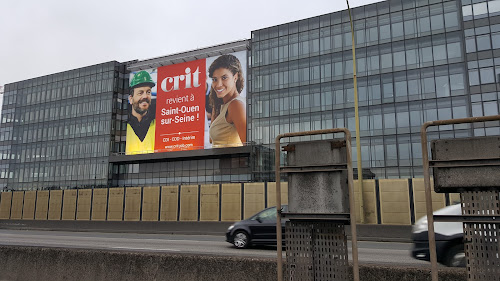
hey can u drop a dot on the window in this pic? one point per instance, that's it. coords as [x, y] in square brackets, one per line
[428, 85]
[386, 60]
[439, 53]
[467, 12]
[473, 77]
[385, 32]
[454, 50]
[424, 26]
[399, 58]
[426, 54]
[490, 108]
[410, 27]
[397, 29]
[442, 86]
[480, 10]
[451, 20]
[389, 120]
[495, 38]
[494, 7]
[457, 82]
[483, 42]
[437, 22]
[372, 35]
[487, 75]
[412, 57]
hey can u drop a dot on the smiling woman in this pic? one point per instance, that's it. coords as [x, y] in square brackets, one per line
[228, 126]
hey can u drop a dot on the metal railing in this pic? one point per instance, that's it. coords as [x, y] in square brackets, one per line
[428, 193]
[350, 182]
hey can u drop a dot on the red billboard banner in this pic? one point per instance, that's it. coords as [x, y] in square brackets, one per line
[180, 106]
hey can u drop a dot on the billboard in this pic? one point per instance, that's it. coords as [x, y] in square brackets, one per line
[199, 104]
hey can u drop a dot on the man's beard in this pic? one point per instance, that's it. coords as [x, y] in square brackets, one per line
[138, 109]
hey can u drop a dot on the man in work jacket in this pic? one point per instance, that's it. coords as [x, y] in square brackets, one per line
[141, 119]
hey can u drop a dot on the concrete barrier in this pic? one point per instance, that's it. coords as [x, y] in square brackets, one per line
[34, 263]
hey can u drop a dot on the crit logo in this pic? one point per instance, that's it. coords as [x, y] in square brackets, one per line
[189, 80]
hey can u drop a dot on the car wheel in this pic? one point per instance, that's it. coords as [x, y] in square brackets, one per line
[241, 240]
[455, 257]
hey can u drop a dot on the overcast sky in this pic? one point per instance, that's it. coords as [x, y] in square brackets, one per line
[45, 37]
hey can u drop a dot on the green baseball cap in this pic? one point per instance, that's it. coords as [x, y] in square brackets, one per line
[142, 78]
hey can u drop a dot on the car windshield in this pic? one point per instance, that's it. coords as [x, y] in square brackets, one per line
[268, 214]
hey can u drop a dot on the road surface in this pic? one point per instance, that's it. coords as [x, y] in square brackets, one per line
[369, 252]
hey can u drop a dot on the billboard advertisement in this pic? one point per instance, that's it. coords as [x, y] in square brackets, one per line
[198, 104]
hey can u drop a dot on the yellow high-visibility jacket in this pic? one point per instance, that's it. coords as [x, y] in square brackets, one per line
[135, 146]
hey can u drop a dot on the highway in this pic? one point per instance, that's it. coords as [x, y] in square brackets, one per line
[369, 252]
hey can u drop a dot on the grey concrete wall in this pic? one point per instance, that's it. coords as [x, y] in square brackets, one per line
[33, 263]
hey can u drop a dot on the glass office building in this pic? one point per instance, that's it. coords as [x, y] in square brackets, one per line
[57, 130]
[417, 61]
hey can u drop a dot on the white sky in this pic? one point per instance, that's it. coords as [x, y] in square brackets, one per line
[45, 37]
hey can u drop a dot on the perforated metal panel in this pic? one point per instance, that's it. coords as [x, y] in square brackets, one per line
[482, 248]
[316, 251]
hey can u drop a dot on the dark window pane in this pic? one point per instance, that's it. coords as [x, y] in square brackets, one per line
[490, 108]
[397, 29]
[454, 50]
[437, 22]
[401, 89]
[473, 77]
[451, 20]
[470, 45]
[410, 27]
[487, 75]
[424, 25]
[399, 58]
[483, 42]
[442, 86]
[385, 32]
[457, 81]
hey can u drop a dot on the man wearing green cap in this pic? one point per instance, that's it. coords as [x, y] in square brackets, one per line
[141, 119]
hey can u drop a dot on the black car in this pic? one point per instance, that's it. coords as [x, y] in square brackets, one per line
[260, 229]
[449, 239]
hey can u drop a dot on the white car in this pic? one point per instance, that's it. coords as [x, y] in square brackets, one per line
[449, 239]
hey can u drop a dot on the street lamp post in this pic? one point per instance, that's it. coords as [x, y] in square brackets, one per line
[356, 117]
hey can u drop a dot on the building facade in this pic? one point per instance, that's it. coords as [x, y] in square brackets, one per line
[417, 61]
[57, 130]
